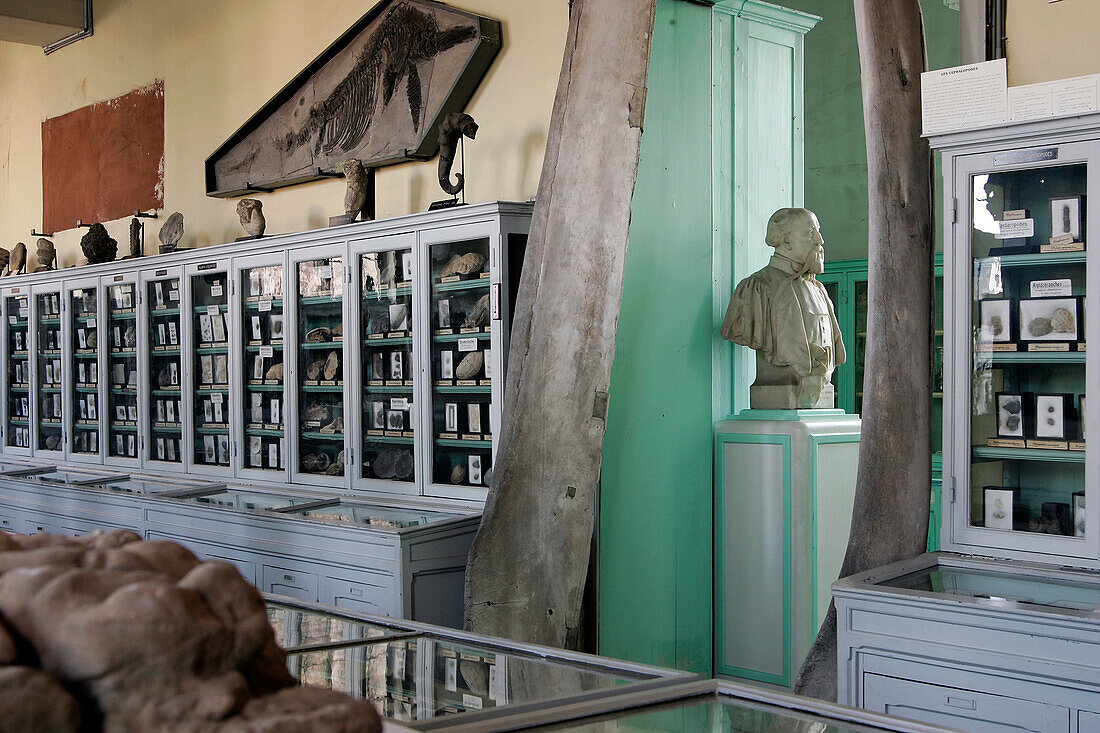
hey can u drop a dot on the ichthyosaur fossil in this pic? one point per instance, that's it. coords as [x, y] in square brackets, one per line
[404, 38]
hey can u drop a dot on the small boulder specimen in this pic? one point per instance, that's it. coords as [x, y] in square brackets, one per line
[153, 640]
[313, 371]
[17, 265]
[458, 475]
[251, 214]
[403, 469]
[275, 371]
[5, 258]
[480, 314]
[319, 334]
[470, 365]
[360, 191]
[137, 233]
[332, 365]
[97, 245]
[1039, 327]
[47, 256]
[1062, 321]
[466, 264]
[385, 465]
[171, 233]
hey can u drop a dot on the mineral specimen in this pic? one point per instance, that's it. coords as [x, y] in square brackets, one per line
[47, 256]
[129, 336]
[319, 334]
[171, 233]
[403, 468]
[1039, 327]
[5, 258]
[380, 323]
[332, 365]
[458, 474]
[1062, 321]
[317, 412]
[470, 365]
[97, 245]
[334, 427]
[1013, 422]
[338, 331]
[313, 371]
[17, 264]
[358, 187]
[466, 264]
[275, 371]
[385, 465]
[480, 314]
[997, 326]
[135, 238]
[323, 462]
[1012, 406]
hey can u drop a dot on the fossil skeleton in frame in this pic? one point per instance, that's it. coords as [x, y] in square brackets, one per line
[377, 94]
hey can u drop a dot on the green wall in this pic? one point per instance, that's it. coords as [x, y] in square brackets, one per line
[655, 516]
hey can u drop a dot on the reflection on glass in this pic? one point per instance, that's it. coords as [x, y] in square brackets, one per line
[210, 355]
[84, 421]
[239, 499]
[320, 287]
[461, 357]
[386, 322]
[18, 433]
[999, 587]
[1028, 388]
[48, 360]
[295, 628]
[163, 298]
[122, 416]
[262, 322]
[411, 679]
[375, 516]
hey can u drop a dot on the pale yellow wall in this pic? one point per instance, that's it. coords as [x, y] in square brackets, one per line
[220, 61]
[1051, 40]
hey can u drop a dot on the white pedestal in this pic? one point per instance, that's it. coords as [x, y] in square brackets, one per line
[784, 486]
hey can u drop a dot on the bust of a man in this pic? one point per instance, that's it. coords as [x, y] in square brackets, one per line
[784, 314]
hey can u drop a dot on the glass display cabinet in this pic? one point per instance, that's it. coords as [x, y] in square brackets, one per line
[208, 378]
[321, 450]
[260, 336]
[46, 345]
[17, 382]
[122, 369]
[463, 307]
[388, 362]
[83, 408]
[1019, 282]
[162, 301]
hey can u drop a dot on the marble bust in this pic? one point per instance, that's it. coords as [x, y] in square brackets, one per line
[784, 314]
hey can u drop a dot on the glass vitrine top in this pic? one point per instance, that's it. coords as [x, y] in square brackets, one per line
[242, 499]
[295, 628]
[146, 486]
[71, 477]
[374, 516]
[1027, 439]
[1001, 587]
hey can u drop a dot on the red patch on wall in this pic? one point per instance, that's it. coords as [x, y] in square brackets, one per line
[102, 161]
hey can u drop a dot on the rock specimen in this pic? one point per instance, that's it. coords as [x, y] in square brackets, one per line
[275, 371]
[480, 314]
[451, 130]
[332, 366]
[1039, 327]
[152, 638]
[171, 233]
[1062, 321]
[319, 334]
[317, 412]
[5, 259]
[334, 427]
[91, 339]
[385, 464]
[97, 245]
[997, 325]
[458, 474]
[53, 442]
[470, 365]
[338, 331]
[17, 264]
[1013, 407]
[466, 264]
[129, 336]
[313, 371]
[360, 184]
[381, 322]
[251, 214]
[403, 467]
[47, 256]
[322, 462]
[337, 468]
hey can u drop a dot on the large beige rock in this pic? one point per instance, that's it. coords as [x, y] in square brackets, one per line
[148, 638]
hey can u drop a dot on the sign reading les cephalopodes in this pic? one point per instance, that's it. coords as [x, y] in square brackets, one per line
[964, 97]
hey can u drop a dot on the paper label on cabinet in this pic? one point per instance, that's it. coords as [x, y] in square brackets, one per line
[91, 323]
[399, 403]
[324, 272]
[1011, 214]
[1048, 444]
[212, 310]
[1062, 239]
[173, 295]
[1064, 247]
[1048, 347]
[23, 312]
[467, 344]
[1006, 443]
[13, 320]
[216, 291]
[471, 702]
[217, 398]
[1014, 228]
[1051, 288]
[267, 352]
[264, 305]
[1078, 445]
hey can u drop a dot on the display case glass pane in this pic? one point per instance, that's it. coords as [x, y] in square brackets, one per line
[295, 628]
[84, 366]
[242, 499]
[320, 288]
[1000, 587]
[1028, 360]
[122, 374]
[70, 477]
[461, 358]
[210, 368]
[18, 432]
[415, 679]
[365, 515]
[165, 372]
[48, 364]
[860, 294]
[262, 326]
[386, 325]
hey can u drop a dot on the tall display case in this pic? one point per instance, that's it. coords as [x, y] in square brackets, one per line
[208, 414]
[121, 378]
[82, 404]
[17, 373]
[160, 344]
[46, 338]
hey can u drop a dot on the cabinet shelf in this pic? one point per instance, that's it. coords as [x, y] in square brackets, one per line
[386, 292]
[86, 390]
[380, 389]
[254, 305]
[123, 428]
[264, 432]
[454, 337]
[21, 423]
[264, 387]
[1033, 357]
[322, 345]
[387, 341]
[1028, 454]
[165, 352]
[321, 300]
[122, 316]
[18, 355]
[1030, 260]
[481, 284]
[393, 439]
[478, 389]
[87, 356]
[256, 349]
[212, 350]
[202, 309]
[123, 352]
[451, 443]
[333, 437]
[55, 321]
[209, 389]
[166, 393]
[163, 312]
[330, 388]
[203, 430]
[167, 431]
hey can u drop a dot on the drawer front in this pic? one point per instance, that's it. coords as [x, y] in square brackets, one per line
[239, 559]
[361, 596]
[293, 583]
[1088, 722]
[34, 526]
[964, 709]
[8, 523]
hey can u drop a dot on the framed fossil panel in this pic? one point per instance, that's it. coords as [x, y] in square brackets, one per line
[377, 94]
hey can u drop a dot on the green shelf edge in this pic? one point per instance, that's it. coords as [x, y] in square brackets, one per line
[454, 337]
[387, 389]
[256, 349]
[388, 439]
[1028, 454]
[400, 340]
[122, 428]
[323, 346]
[154, 313]
[201, 309]
[255, 304]
[1035, 357]
[478, 389]
[321, 300]
[212, 350]
[264, 432]
[211, 431]
[330, 437]
[449, 443]
[460, 285]
[1028, 260]
[264, 387]
[331, 389]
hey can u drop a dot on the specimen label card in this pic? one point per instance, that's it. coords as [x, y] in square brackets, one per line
[1015, 228]
[963, 97]
[1051, 288]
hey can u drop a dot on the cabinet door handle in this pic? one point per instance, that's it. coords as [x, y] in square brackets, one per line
[288, 577]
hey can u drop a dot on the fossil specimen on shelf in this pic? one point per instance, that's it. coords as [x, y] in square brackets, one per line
[451, 131]
[251, 214]
[171, 233]
[275, 371]
[47, 256]
[313, 371]
[17, 264]
[470, 365]
[332, 366]
[319, 334]
[97, 245]
[466, 264]
[480, 314]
